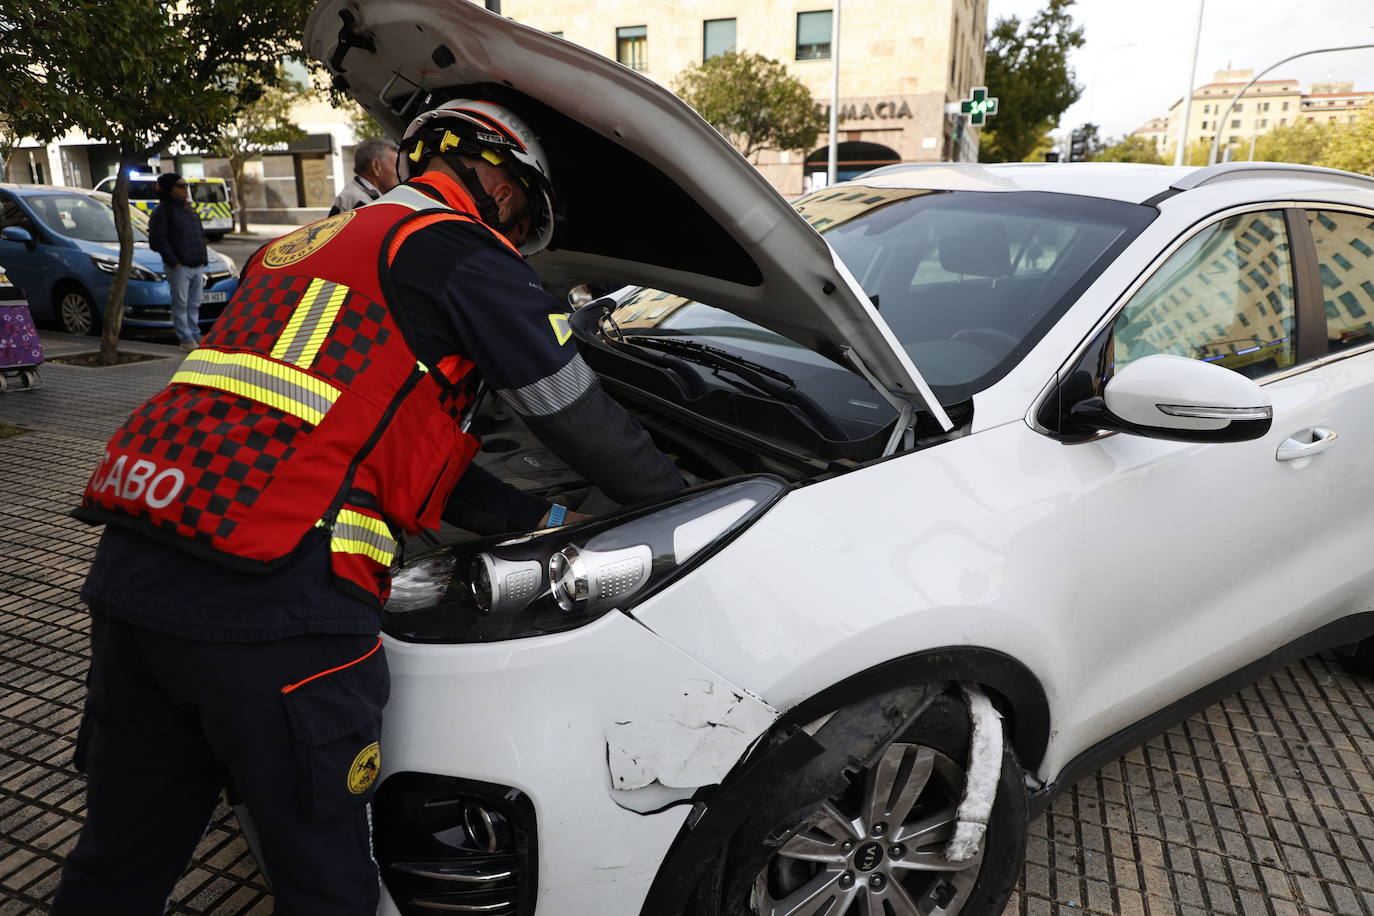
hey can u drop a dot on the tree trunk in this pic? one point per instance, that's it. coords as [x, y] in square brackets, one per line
[237, 165]
[124, 229]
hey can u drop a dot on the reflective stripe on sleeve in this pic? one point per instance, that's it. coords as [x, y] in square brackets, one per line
[551, 393]
[355, 532]
[260, 379]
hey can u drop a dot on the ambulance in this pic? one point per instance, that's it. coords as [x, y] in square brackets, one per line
[210, 197]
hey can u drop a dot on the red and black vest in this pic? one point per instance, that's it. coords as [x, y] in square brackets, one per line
[304, 408]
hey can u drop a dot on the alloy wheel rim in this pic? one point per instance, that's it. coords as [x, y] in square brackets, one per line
[76, 313]
[879, 850]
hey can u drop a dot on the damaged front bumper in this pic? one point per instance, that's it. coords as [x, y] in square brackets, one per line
[588, 744]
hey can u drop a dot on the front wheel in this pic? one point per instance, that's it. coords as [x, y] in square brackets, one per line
[76, 312]
[877, 848]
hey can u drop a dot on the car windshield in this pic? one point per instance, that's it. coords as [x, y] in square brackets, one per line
[968, 281]
[80, 216]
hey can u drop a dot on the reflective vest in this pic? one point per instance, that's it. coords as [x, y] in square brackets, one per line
[305, 408]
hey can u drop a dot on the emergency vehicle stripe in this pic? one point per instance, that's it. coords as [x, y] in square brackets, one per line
[355, 532]
[284, 388]
[310, 323]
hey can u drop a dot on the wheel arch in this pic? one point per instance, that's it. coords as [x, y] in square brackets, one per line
[1015, 690]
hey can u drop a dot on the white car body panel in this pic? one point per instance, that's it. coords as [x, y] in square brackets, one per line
[544, 715]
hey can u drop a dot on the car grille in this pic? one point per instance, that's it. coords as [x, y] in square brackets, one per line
[455, 845]
[217, 276]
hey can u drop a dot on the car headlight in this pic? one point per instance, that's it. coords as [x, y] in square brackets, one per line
[137, 272]
[565, 578]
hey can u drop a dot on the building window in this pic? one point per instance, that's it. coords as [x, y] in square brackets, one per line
[1240, 106]
[1204, 125]
[1206, 109]
[632, 46]
[556, 34]
[1235, 123]
[813, 35]
[717, 37]
[1264, 122]
[1285, 106]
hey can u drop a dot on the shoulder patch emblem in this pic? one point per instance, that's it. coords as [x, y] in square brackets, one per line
[305, 241]
[363, 773]
[561, 331]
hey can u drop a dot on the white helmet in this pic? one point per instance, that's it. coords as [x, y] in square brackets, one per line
[494, 133]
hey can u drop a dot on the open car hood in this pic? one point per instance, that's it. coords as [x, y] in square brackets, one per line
[648, 193]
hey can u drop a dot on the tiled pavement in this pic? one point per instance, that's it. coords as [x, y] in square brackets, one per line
[1262, 804]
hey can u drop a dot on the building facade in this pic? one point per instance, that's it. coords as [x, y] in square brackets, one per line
[903, 66]
[1266, 105]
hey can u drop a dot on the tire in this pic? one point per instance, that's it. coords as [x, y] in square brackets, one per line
[76, 311]
[833, 855]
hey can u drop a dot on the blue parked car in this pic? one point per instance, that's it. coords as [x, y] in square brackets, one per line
[59, 246]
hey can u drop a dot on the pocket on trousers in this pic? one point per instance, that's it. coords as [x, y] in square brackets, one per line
[336, 717]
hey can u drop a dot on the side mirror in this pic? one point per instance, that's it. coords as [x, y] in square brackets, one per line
[1172, 397]
[18, 234]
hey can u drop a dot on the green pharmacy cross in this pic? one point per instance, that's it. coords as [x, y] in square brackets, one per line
[979, 107]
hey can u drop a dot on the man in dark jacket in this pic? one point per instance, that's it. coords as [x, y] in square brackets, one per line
[174, 231]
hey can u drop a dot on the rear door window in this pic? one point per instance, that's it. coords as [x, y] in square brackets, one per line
[1345, 259]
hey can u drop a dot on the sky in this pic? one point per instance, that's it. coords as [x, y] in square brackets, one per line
[1134, 62]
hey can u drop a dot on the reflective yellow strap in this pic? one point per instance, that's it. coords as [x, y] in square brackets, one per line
[310, 323]
[355, 532]
[260, 379]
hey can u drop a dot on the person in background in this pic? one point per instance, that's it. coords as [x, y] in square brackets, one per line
[175, 232]
[374, 173]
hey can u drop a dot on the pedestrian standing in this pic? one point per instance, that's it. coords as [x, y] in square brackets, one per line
[253, 510]
[374, 173]
[175, 232]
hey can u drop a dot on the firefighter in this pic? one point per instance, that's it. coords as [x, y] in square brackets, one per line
[253, 506]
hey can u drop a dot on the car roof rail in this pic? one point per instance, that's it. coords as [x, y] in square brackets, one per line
[1230, 171]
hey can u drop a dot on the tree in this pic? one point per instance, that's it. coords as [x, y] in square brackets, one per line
[1029, 74]
[753, 101]
[1301, 143]
[262, 124]
[362, 123]
[1350, 146]
[138, 75]
[1130, 149]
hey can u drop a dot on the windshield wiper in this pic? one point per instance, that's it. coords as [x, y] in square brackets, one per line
[770, 381]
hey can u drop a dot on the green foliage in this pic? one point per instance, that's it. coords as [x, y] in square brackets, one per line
[139, 75]
[1302, 143]
[1130, 149]
[1350, 146]
[363, 124]
[262, 125]
[753, 101]
[1028, 72]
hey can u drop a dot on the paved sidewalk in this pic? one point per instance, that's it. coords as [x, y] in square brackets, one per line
[1262, 804]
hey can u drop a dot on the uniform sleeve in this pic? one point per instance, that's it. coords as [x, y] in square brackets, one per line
[518, 336]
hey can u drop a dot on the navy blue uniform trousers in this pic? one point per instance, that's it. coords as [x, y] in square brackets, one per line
[170, 721]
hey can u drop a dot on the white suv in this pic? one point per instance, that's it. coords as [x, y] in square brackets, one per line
[999, 470]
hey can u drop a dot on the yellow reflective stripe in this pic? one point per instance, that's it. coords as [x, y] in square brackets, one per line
[260, 379]
[355, 532]
[310, 323]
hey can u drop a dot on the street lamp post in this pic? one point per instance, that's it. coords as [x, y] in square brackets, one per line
[1216, 140]
[1181, 153]
[832, 164]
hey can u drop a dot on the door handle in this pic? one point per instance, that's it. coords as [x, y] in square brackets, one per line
[1306, 442]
